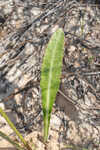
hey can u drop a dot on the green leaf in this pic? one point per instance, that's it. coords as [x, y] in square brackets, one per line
[4, 136]
[50, 75]
[3, 114]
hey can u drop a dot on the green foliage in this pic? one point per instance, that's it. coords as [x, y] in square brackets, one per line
[50, 81]
[3, 114]
[4, 136]
[90, 59]
[50, 75]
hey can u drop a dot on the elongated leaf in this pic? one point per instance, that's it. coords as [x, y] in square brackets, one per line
[4, 136]
[50, 75]
[3, 114]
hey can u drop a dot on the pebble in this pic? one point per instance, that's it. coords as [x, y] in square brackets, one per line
[55, 122]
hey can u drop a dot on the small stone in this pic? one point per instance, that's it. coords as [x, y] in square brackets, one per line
[35, 11]
[55, 122]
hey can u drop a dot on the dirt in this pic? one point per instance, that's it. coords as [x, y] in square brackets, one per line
[25, 29]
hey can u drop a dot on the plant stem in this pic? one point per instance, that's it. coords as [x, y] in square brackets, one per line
[4, 136]
[14, 129]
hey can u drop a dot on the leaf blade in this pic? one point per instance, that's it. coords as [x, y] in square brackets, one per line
[50, 75]
[3, 114]
[4, 136]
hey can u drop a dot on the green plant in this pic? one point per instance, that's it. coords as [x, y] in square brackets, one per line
[90, 59]
[50, 80]
[50, 75]
[3, 135]
[82, 23]
[3, 114]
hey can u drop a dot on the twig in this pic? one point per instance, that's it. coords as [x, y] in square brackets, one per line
[90, 73]
[20, 90]
[66, 97]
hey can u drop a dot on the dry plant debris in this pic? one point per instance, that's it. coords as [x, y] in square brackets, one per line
[25, 28]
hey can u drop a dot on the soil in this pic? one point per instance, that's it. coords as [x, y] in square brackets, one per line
[25, 29]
